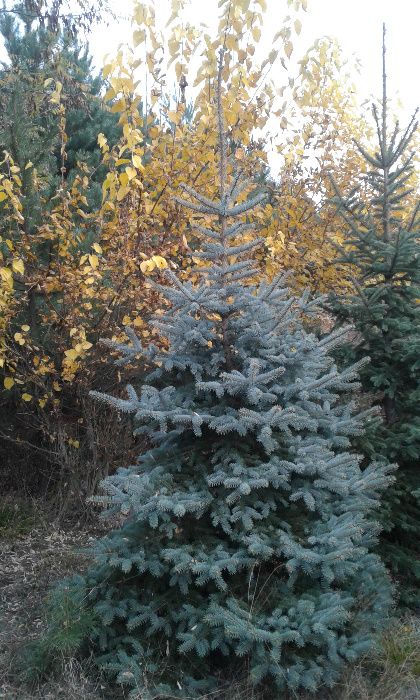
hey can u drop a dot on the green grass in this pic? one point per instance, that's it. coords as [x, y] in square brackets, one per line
[16, 520]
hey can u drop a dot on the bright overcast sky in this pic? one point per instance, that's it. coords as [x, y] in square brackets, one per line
[357, 24]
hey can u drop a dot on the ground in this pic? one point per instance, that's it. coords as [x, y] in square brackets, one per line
[30, 563]
[34, 554]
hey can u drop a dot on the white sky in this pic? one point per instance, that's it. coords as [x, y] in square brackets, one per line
[357, 24]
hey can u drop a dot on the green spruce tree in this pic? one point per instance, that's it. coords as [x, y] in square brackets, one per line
[245, 546]
[383, 257]
[36, 59]
[86, 117]
[28, 125]
[73, 17]
[41, 53]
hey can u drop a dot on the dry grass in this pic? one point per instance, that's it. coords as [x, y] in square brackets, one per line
[33, 555]
[31, 562]
[73, 683]
[391, 673]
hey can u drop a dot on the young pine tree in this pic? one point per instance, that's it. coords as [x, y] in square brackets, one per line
[38, 58]
[245, 547]
[383, 255]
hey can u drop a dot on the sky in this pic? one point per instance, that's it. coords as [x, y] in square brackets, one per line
[357, 24]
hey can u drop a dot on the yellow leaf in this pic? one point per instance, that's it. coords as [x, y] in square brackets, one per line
[126, 319]
[159, 261]
[8, 382]
[3, 196]
[25, 328]
[18, 266]
[42, 402]
[71, 354]
[26, 397]
[122, 192]
[28, 165]
[94, 261]
[56, 386]
[174, 117]
[102, 140]
[231, 117]
[97, 247]
[118, 106]
[147, 266]
[137, 162]
[131, 172]
[109, 95]
[6, 276]
[107, 69]
[139, 36]
[298, 26]
[288, 49]
[231, 42]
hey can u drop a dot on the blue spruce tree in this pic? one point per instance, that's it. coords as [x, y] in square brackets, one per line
[245, 544]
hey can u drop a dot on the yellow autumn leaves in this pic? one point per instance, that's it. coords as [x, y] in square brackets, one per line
[155, 262]
[95, 279]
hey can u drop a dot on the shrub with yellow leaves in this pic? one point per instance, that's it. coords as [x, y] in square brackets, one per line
[81, 273]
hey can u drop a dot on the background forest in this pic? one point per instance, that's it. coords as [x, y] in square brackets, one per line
[110, 187]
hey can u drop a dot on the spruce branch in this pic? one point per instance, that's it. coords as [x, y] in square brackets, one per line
[199, 197]
[200, 208]
[413, 219]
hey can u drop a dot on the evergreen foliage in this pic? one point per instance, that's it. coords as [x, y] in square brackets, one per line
[72, 17]
[86, 117]
[29, 127]
[47, 142]
[245, 546]
[383, 255]
[69, 624]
